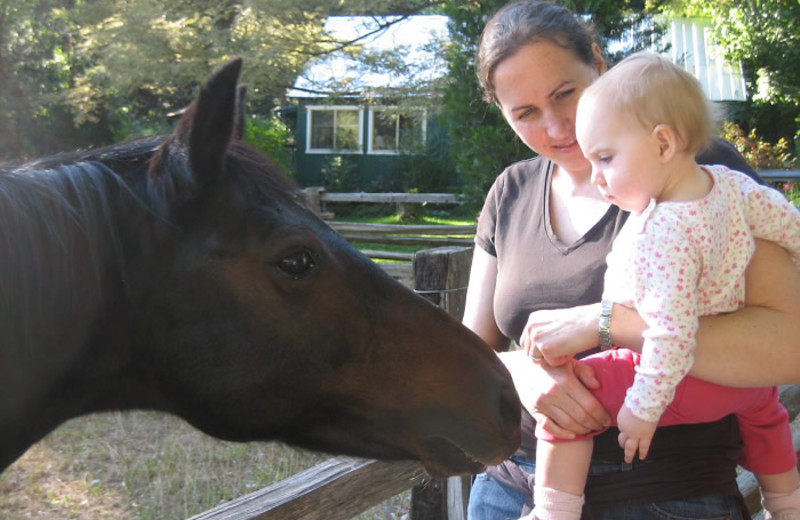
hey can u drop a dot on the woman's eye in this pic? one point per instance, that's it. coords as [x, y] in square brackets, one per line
[565, 93]
[525, 114]
[297, 264]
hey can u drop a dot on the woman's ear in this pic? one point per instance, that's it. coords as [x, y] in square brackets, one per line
[667, 140]
[599, 61]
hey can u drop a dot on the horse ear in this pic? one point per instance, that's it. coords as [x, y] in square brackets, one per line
[208, 126]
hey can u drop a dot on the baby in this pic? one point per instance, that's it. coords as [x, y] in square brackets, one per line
[681, 255]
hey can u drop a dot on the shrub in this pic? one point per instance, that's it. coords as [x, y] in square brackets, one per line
[270, 136]
[760, 154]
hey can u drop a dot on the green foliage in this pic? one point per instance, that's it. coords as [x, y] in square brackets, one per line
[759, 153]
[75, 73]
[340, 174]
[270, 136]
[764, 35]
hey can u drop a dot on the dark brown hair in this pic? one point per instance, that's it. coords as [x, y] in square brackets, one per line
[520, 23]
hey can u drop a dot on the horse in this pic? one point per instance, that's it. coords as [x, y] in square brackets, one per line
[184, 273]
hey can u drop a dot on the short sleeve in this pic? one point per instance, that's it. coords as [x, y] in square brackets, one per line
[487, 221]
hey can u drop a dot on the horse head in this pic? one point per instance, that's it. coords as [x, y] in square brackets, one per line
[247, 315]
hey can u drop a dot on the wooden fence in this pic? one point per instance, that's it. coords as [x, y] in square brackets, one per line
[422, 236]
[343, 487]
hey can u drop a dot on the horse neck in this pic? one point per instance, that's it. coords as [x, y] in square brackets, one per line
[62, 281]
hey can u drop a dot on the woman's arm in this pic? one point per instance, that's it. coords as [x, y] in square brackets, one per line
[758, 345]
[558, 396]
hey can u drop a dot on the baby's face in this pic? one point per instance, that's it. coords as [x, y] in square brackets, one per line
[624, 155]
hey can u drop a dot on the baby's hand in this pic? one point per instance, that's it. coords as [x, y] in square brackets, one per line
[634, 434]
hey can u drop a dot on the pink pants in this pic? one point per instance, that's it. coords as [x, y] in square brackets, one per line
[763, 421]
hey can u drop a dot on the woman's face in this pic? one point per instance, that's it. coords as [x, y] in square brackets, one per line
[538, 90]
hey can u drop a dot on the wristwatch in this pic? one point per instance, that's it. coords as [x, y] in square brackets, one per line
[604, 325]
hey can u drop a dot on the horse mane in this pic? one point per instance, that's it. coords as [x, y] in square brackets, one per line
[59, 222]
[56, 231]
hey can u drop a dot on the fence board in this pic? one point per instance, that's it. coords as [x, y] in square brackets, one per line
[407, 240]
[338, 489]
[779, 175]
[391, 198]
[402, 229]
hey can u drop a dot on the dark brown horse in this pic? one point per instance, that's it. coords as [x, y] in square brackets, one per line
[183, 274]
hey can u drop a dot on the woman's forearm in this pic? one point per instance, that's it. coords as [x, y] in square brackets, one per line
[758, 345]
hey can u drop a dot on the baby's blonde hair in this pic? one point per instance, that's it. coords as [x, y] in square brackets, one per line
[656, 91]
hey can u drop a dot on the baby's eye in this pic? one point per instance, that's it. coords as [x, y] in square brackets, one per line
[605, 159]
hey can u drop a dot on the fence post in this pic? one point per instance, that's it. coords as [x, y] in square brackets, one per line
[441, 276]
[312, 195]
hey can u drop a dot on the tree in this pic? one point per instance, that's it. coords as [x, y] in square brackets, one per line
[763, 35]
[35, 66]
[118, 66]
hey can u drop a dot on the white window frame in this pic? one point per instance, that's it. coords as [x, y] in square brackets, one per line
[396, 151]
[310, 109]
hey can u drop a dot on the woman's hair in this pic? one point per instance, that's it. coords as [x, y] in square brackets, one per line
[523, 22]
[655, 91]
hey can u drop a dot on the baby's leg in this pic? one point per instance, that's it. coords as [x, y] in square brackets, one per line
[780, 495]
[561, 472]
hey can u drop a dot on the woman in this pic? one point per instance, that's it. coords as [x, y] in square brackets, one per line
[542, 240]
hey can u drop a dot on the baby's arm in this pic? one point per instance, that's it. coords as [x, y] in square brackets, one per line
[665, 269]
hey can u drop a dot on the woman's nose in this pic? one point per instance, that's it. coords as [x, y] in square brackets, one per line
[557, 125]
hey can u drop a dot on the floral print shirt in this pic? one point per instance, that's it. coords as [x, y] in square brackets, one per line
[677, 261]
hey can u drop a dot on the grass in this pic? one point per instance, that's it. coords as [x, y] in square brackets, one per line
[146, 465]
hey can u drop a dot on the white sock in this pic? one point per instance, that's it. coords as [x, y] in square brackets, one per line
[552, 504]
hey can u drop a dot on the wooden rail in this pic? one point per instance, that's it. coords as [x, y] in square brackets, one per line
[337, 489]
[779, 175]
[317, 198]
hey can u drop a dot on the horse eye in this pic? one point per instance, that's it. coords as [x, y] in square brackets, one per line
[298, 264]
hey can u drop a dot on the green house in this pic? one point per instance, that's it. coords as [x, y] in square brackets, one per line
[369, 128]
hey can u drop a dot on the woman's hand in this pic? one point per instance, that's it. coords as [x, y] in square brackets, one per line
[558, 397]
[557, 335]
[634, 434]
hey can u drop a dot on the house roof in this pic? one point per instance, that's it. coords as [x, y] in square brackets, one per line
[342, 74]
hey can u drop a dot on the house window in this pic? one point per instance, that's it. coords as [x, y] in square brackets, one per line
[334, 129]
[394, 130]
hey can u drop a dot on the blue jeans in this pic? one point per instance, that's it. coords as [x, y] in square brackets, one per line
[493, 500]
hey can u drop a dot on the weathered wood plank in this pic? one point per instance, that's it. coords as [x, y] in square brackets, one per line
[779, 175]
[402, 229]
[388, 255]
[402, 198]
[337, 489]
[430, 242]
